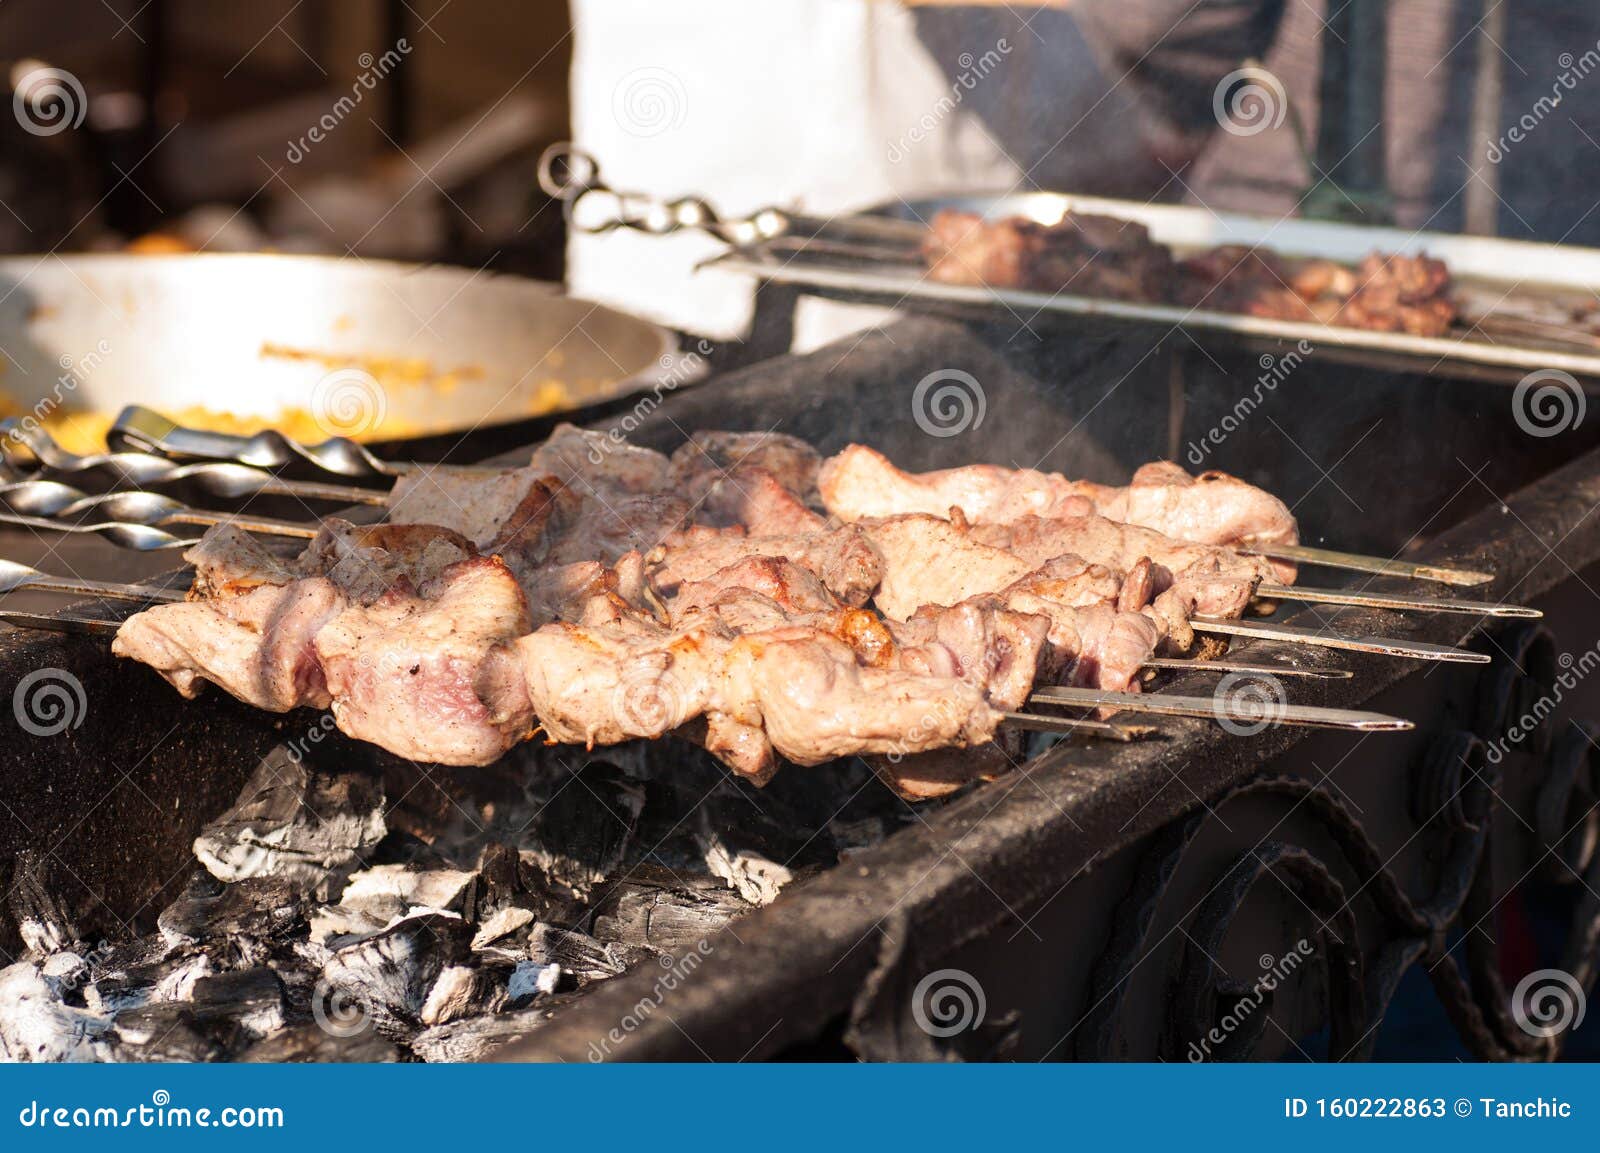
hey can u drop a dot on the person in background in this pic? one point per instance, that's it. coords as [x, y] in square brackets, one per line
[832, 105]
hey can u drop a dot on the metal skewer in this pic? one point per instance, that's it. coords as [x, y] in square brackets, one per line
[1225, 709]
[59, 622]
[49, 504]
[1356, 562]
[1382, 600]
[1264, 669]
[14, 576]
[1071, 726]
[1319, 638]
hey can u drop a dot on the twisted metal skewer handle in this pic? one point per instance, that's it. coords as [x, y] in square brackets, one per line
[30, 451]
[118, 516]
[140, 429]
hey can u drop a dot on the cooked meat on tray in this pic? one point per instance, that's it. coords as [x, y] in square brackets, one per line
[1103, 256]
[608, 593]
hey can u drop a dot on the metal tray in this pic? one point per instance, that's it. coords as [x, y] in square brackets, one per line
[1506, 276]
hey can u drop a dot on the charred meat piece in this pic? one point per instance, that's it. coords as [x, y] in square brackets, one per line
[791, 461]
[1082, 254]
[1397, 293]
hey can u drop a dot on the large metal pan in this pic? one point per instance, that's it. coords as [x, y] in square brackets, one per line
[256, 335]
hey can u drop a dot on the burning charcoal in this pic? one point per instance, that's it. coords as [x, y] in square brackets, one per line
[658, 909]
[582, 833]
[162, 1032]
[463, 992]
[36, 1026]
[474, 1038]
[498, 883]
[172, 979]
[577, 953]
[42, 923]
[390, 975]
[311, 1042]
[389, 891]
[259, 908]
[249, 1001]
[295, 822]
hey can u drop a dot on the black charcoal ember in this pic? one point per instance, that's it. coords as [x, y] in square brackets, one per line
[462, 991]
[260, 908]
[577, 953]
[660, 909]
[475, 1038]
[35, 1025]
[161, 1032]
[498, 882]
[296, 822]
[169, 979]
[41, 921]
[582, 832]
[756, 846]
[248, 1004]
[312, 1043]
[389, 975]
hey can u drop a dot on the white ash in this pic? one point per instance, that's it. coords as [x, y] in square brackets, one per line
[747, 872]
[530, 979]
[501, 924]
[462, 991]
[389, 975]
[389, 891]
[36, 1026]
